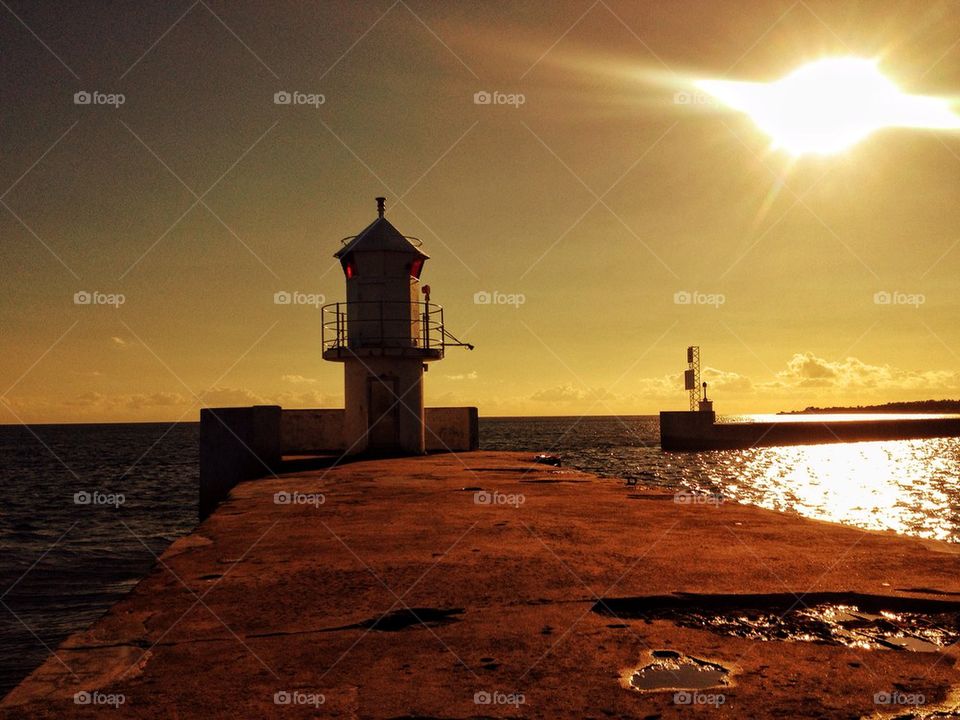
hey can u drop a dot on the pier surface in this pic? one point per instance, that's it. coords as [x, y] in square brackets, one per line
[405, 594]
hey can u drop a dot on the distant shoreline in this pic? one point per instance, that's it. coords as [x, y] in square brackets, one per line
[939, 407]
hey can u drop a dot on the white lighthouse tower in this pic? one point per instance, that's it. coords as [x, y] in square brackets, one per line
[383, 334]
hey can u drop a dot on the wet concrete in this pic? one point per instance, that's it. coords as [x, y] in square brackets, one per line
[404, 596]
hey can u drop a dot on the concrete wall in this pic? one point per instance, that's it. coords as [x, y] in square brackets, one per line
[452, 429]
[311, 431]
[236, 444]
[682, 430]
[239, 444]
[318, 431]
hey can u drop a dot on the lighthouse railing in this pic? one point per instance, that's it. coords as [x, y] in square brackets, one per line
[371, 324]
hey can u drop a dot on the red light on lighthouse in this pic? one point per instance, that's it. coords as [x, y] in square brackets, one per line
[416, 267]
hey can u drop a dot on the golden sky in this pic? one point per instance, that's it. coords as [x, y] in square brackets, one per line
[593, 208]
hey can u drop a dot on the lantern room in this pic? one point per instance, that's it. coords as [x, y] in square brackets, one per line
[384, 310]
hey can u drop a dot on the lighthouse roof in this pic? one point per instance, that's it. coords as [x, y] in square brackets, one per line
[380, 236]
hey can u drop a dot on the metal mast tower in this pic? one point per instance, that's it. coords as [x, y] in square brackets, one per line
[691, 377]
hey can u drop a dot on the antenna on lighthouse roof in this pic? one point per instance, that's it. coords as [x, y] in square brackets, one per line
[380, 203]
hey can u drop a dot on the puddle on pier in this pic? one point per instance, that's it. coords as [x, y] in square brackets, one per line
[670, 670]
[866, 622]
[836, 625]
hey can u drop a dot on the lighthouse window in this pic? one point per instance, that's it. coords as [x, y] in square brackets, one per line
[416, 267]
[349, 268]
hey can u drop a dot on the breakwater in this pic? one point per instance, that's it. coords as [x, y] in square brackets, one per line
[701, 431]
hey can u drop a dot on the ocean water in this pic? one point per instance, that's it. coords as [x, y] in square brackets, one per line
[87, 507]
[63, 562]
[908, 486]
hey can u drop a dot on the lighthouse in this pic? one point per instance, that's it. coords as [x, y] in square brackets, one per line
[384, 334]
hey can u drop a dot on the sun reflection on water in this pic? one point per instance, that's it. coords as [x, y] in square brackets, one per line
[908, 486]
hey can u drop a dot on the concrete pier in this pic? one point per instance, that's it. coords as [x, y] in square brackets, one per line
[483, 585]
[243, 443]
[701, 431]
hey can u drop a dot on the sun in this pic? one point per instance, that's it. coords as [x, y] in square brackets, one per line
[829, 105]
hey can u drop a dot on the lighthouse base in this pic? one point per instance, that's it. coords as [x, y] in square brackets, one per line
[383, 398]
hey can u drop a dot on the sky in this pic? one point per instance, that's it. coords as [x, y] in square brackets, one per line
[612, 213]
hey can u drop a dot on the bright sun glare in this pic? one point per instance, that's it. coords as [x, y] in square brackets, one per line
[829, 105]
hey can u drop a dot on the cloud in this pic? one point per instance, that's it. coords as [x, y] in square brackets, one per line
[87, 399]
[231, 397]
[93, 406]
[308, 399]
[805, 375]
[119, 342]
[726, 381]
[472, 375]
[569, 393]
[297, 379]
[137, 401]
[157, 399]
[559, 393]
[807, 370]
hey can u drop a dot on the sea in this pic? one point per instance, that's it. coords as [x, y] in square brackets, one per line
[86, 509]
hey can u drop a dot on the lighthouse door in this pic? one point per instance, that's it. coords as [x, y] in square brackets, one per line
[383, 430]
